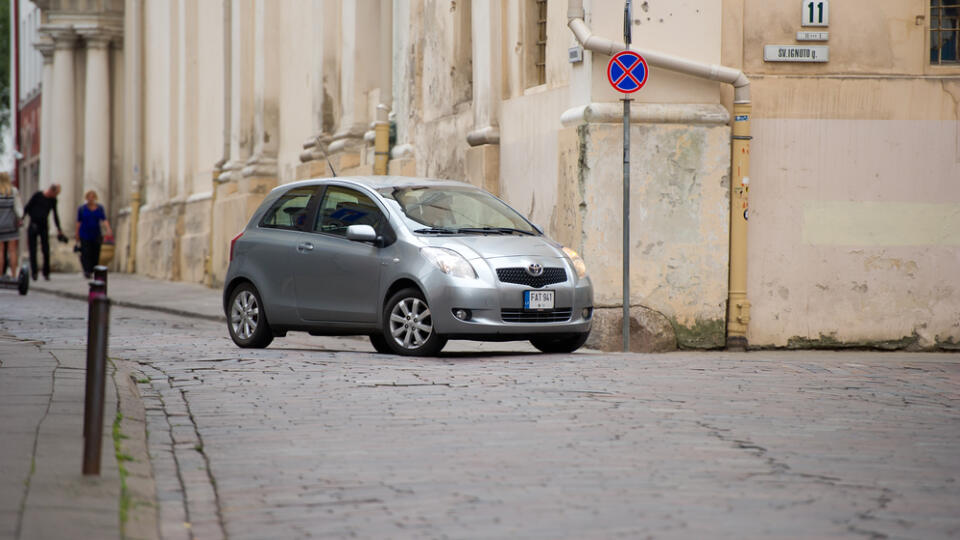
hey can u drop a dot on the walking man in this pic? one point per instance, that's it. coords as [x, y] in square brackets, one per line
[38, 208]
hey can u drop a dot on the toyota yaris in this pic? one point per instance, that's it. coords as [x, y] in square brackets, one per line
[409, 262]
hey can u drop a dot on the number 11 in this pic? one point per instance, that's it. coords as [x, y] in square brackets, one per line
[819, 8]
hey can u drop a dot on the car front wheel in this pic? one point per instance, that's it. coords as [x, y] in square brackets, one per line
[408, 325]
[247, 321]
[560, 344]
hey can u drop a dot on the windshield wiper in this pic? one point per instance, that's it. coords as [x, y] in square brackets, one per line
[435, 230]
[498, 230]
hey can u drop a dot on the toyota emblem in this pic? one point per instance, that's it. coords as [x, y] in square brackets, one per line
[535, 270]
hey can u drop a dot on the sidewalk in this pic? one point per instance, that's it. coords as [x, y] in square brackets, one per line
[43, 493]
[131, 290]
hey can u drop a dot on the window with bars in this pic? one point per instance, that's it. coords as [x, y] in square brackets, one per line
[541, 62]
[944, 32]
[535, 37]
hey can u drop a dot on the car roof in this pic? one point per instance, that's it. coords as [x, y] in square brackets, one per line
[379, 182]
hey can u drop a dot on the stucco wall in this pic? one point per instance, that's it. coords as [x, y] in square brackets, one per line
[854, 237]
[679, 179]
[529, 166]
[434, 97]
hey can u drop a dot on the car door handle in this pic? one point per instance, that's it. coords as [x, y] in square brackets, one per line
[304, 247]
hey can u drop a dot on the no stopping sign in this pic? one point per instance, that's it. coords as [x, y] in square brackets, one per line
[627, 72]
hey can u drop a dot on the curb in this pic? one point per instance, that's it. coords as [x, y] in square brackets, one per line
[136, 305]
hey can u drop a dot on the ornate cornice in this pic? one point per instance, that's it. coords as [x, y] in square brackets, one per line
[63, 36]
[97, 36]
[45, 47]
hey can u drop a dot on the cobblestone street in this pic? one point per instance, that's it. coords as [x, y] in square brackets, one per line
[320, 437]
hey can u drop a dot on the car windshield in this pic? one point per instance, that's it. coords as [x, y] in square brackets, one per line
[456, 210]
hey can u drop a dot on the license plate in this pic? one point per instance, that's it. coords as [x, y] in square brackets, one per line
[537, 299]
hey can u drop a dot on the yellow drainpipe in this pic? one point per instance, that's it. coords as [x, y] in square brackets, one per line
[134, 221]
[381, 145]
[738, 307]
[208, 260]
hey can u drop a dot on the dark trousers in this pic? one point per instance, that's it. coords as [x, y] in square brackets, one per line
[34, 231]
[89, 254]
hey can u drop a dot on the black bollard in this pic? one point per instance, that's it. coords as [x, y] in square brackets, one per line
[100, 274]
[98, 330]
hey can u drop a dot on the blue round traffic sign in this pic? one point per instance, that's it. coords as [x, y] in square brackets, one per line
[627, 72]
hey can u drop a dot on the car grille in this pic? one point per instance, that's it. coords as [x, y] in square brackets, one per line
[520, 276]
[541, 316]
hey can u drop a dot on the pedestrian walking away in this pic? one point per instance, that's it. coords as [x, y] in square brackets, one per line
[89, 234]
[38, 209]
[11, 215]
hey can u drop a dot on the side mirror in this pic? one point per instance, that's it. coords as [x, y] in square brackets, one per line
[361, 233]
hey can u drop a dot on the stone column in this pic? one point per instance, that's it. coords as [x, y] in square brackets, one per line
[63, 151]
[266, 93]
[45, 47]
[96, 127]
[359, 69]
[325, 85]
[241, 88]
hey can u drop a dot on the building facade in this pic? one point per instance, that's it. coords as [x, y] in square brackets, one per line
[795, 180]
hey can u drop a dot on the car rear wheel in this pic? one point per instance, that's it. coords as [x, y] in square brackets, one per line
[560, 344]
[247, 320]
[408, 325]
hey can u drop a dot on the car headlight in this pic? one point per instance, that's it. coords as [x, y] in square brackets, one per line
[577, 260]
[449, 262]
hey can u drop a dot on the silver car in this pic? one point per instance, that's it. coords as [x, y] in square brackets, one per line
[409, 262]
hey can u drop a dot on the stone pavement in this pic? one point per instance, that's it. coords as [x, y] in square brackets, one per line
[319, 437]
[43, 493]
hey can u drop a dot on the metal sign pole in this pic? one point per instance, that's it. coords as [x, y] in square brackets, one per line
[627, 16]
[626, 224]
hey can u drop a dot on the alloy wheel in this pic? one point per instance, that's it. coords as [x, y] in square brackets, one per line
[245, 315]
[411, 323]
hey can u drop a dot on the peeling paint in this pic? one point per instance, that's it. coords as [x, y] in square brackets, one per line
[830, 341]
[947, 344]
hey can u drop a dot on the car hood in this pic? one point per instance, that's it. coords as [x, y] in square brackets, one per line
[495, 246]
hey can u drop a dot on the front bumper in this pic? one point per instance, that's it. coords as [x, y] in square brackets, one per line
[487, 297]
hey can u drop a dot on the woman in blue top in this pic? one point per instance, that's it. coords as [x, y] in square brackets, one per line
[89, 217]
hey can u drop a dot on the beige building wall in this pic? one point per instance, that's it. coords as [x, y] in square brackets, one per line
[854, 199]
[854, 234]
[182, 134]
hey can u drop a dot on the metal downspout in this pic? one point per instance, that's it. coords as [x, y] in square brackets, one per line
[136, 97]
[738, 306]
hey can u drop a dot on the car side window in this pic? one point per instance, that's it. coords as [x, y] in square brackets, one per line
[290, 210]
[342, 207]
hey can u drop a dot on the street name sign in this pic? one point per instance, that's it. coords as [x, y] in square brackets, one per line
[813, 36]
[796, 53]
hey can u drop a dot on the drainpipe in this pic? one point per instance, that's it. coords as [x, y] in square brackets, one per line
[381, 141]
[218, 166]
[136, 122]
[738, 307]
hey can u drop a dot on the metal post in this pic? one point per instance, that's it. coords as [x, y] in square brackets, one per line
[626, 225]
[627, 38]
[97, 333]
[100, 274]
